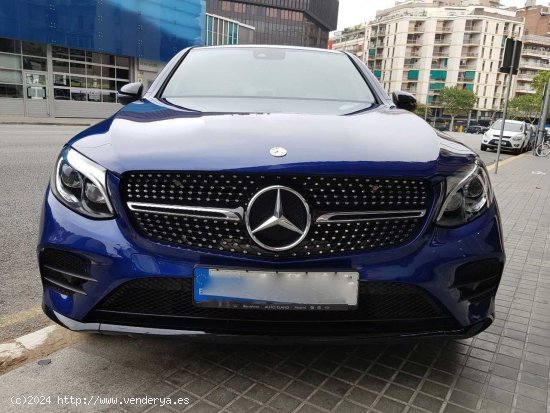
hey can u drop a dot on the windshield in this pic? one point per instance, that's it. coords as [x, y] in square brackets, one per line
[508, 126]
[268, 80]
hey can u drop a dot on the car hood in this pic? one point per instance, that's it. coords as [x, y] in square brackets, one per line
[152, 135]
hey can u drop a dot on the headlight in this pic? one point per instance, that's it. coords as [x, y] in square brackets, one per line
[81, 185]
[468, 196]
[517, 138]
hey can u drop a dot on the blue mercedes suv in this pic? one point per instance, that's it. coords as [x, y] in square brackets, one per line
[276, 192]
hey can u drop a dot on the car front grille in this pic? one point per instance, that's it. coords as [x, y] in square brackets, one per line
[505, 144]
[168, 302]
[323, 194]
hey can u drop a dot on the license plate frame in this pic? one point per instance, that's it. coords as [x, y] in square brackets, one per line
[215, 287]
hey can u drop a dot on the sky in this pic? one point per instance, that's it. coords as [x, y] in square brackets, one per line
[353, 12]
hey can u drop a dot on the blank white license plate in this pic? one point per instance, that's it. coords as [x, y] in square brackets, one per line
[281, 290]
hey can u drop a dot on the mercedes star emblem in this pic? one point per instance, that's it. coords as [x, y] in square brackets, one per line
[278, 152]
[277, 218]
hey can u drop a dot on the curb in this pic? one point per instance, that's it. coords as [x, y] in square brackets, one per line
[34, 345]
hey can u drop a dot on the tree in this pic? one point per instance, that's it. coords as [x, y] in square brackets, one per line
[539, 81]
[421, 110]
[526, 107]
[455, 101]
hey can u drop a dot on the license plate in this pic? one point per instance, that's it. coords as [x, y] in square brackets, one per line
[276, 290]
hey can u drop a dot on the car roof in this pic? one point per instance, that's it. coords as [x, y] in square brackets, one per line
[268, 46]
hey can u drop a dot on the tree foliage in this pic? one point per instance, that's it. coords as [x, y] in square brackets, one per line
[526, 107]
[540, 80]
[420, 110]
[455, 101]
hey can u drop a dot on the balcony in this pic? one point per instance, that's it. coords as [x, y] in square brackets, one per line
[526, 76]
[378, 33]
[416, 27]
[536, 64]
[474, 26]
[470, 54]
[535, 52]
[471, 41]
[446, 40]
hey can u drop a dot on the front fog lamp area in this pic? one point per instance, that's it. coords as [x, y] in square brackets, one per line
[468, 196]
[80, 184]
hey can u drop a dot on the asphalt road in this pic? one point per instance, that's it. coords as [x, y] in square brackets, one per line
[27, 157]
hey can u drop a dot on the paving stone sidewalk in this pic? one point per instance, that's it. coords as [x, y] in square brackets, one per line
[504, 369]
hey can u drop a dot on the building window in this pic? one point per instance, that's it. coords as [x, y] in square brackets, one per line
[34, 49]
[11, 91]
[34, 63]
[80, 75]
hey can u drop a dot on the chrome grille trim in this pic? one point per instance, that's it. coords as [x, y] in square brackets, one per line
[189, 211]
[359, 216]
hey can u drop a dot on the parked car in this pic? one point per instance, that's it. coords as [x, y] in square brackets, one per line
[475, 129]
[290, 197]
[515, 139]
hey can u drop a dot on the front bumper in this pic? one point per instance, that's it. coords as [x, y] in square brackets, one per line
[507, 145]
[198, 335]
[430, 263]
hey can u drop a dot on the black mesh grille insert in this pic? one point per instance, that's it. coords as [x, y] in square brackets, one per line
[56, 267]
[322, 193]
[174, 297]
[478, 280]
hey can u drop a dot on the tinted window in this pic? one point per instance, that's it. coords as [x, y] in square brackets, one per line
[256, 79]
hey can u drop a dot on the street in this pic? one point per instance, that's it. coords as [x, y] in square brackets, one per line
[27, 156]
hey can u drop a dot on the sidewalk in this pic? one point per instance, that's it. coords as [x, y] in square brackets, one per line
[24, 120]
[504, 369]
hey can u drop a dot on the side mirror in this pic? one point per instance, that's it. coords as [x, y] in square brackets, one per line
[130, 93]
[404, 100]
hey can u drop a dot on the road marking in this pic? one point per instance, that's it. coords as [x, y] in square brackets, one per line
[19, 317]
[504, 162]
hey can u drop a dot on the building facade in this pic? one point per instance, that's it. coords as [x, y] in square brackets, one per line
[421, 48]
[69, 61]
[223, 31]
[284, 22]
[535, 57]
[352, 40]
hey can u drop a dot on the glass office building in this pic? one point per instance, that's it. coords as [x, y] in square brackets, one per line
[221, 30]
[68, 59]
[285, 22]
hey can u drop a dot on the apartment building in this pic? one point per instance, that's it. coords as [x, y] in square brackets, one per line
[353, 40]
[422, 46]
[535, 57]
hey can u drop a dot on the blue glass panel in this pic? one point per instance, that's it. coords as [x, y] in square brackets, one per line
[152, 29]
